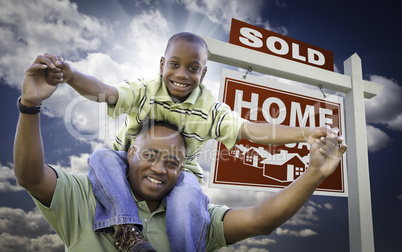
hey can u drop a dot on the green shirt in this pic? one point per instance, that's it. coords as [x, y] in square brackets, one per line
[71, 214]
[200, 117]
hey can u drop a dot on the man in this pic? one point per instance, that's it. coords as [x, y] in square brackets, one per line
[68, 203]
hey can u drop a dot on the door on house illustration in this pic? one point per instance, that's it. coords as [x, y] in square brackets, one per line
[290, 175]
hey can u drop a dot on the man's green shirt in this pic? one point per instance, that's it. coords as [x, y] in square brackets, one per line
[72, 210]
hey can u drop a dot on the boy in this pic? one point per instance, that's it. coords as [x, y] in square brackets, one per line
[179, 97]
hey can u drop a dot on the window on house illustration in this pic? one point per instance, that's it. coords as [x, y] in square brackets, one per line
[249, 159]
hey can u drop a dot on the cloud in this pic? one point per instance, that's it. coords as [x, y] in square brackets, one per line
[385, 108]
[29, 28]
[302, 233]
[7, 179]
[305, 216]
[45, 243]
[250, 244]
[328, 206]
[78, 164]
[222, 12]
[241, 248]
[257, 241]
[20, 223]
[376, 138]
[8, 182]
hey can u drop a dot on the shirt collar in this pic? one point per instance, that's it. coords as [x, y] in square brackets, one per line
[144, 207]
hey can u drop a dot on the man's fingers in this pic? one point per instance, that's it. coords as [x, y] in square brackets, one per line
[41, 59]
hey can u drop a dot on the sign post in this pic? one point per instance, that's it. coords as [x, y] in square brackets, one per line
[359, 201]
[355, 89]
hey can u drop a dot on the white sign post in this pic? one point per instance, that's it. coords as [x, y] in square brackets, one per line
[355, 89]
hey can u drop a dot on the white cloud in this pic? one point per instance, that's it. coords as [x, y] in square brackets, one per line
[45, 243]
[222, 12]
[328, 206]
[249, 244]
[305, 216]
[241, 248]
[385, 108]
[257, 241]
[302, 233]
[78, 164]
[7, 180]
[18, 222]
[376, 138]
[232, 198]
[30, 28]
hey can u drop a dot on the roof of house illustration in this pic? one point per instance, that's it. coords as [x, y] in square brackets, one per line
[260, 151]
[241, 147]
[283, 157]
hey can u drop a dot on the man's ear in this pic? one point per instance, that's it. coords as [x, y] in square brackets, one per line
[161, 65]
[131, 152]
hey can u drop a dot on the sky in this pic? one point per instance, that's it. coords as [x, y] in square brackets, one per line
[124, 39]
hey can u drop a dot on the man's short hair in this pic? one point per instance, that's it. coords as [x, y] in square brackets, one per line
[189, 37]
[148, 124]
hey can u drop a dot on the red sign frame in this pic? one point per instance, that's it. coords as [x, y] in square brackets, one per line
[270, 168]
[266, 41]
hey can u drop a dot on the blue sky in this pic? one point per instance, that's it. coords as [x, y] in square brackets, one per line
[114, 40]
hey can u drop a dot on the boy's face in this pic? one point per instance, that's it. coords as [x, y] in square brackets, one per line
[183, 68]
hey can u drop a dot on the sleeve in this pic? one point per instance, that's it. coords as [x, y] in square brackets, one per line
[226, 124]
[69, 211]
[215, 237]
[130, 96]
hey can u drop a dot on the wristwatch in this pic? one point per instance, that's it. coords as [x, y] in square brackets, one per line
[27, 110]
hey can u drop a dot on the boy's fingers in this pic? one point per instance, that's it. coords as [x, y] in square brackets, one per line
[343, 148]
[52, 57]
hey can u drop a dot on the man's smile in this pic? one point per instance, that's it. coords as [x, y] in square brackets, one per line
[155, 181]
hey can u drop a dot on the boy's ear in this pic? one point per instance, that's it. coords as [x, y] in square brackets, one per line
[162, 64]
[204, 72]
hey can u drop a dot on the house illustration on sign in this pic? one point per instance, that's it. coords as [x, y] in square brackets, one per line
[285, 167]
[282, 167]
[237, 151]
[254, 156]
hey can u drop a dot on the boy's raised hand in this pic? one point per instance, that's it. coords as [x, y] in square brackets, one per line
[62, 72]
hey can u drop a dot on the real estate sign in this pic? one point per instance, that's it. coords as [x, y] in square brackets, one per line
[266, 41]
[273, 167]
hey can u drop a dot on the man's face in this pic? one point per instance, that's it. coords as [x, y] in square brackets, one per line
[155, 162]
[183, 68]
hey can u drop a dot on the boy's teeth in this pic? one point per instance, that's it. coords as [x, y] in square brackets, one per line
[179, 84]
[154, 180]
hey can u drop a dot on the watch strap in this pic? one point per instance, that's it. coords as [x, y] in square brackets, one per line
[27, 110]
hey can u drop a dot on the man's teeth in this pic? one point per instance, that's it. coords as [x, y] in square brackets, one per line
[179, 84]
[154, 180]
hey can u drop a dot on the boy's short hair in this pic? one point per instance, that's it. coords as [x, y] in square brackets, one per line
[189, 37]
